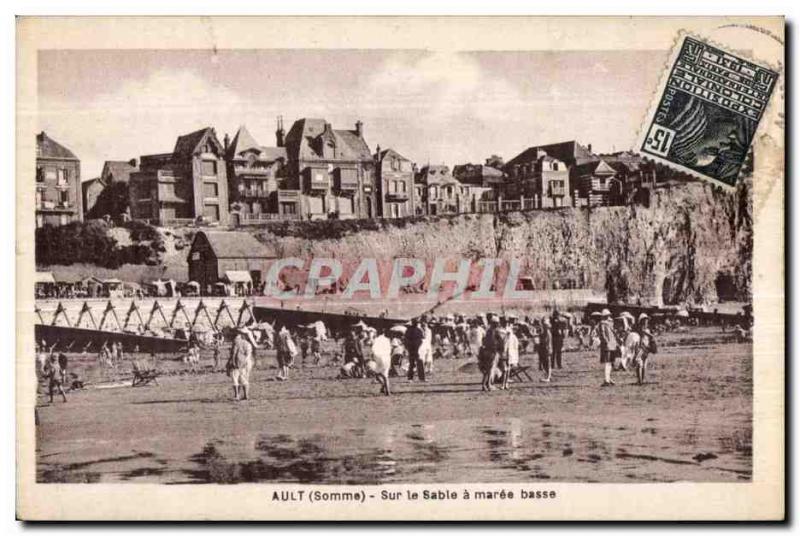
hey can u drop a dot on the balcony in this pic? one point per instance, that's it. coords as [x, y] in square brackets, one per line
[318, 184]
[254, 193]
[397, 196]
[346, 183]
[255, 219]
[247, 170]
[557, 191]
[288, 196]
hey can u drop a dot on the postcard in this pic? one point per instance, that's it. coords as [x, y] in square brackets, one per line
[400, 268]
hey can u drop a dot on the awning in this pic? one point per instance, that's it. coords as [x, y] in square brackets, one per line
[45, 277]
[238, 276]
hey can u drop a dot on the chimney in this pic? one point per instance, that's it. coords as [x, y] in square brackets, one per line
[132, 162]
[359, 129]
[378, 152]
[589, 147]
[280, 133]
[226, 141]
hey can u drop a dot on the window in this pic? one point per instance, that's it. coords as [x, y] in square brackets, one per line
[210, 189]
[63, 197]
[403, 186]
[555, 166]
[211, 212]
[39, 174]
[345, 205]
[289, 208]
[50, 174]
[61, 175]
[209, 168]
[64, 219]
[167, 191]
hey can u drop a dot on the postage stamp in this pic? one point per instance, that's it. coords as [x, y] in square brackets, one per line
[708, 112]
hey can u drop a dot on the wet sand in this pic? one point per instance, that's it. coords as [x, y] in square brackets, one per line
[691, 422]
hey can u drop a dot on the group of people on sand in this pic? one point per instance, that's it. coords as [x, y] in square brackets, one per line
[624, 343]
[496, 340]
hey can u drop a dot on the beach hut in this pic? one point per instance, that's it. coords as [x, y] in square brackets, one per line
[240, 281]
[45, 284]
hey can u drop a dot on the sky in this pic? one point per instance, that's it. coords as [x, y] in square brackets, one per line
[431, 106]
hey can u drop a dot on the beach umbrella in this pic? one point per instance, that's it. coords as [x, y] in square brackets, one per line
[683, 313]
[596, 313]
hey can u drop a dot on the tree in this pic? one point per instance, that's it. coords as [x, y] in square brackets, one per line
[495, 161]
[112, 201]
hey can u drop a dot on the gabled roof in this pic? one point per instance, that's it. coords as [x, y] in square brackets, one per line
[234, 245]
[243, 141]
[357, 146]
[120, 170]
[603, 168]
[187, 144]
[391, 152]
[571, 153]
[303, 137]
[85, 185]
[46, 147]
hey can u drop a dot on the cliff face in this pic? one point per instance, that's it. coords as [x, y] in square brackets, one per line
[676, 250]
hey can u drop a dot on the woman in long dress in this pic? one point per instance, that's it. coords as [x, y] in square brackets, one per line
[381, 361]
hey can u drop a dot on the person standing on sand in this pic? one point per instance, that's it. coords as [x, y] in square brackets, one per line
[608, 345]
[413, 342]
[286, 350]
[558, 331]
[493, 347]
[647, 345]
[216, 343]
[545, 345]
[55, 378]
[381, 361]
[510, 354]
[354, 352]
[476, 334]
[239, 365]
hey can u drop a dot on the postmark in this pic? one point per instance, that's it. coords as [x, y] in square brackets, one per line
[707, 112]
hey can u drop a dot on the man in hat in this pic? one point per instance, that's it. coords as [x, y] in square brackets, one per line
[608, 345]
[239, 365]
[413, 339]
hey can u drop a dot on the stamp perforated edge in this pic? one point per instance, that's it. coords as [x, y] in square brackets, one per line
[655, 100]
